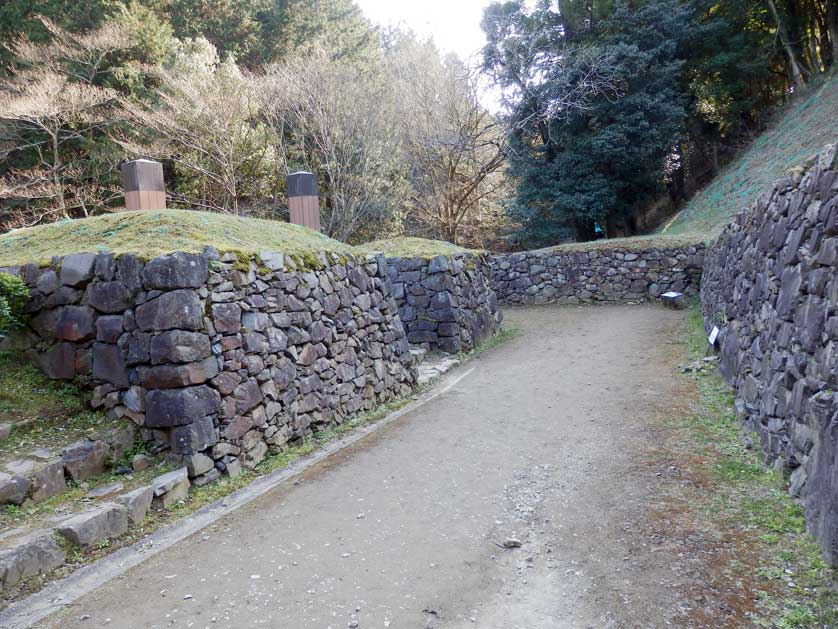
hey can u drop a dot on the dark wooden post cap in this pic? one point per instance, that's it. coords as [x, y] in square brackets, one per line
[144, 185]
[142, 174]
[302, 184]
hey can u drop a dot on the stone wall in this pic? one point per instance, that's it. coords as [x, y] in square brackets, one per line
[218, 358]
[597, 275]
[770, 284]
[446, 301]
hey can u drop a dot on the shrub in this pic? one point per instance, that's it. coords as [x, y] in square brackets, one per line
[13, 296]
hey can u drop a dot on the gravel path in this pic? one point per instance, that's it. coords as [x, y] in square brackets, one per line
[538, 444]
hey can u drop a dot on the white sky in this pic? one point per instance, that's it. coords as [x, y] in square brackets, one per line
[453, 24]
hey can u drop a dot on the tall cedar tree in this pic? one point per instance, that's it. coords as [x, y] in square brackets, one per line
[592, 167]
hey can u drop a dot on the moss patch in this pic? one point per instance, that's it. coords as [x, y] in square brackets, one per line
[409, 247]
[154, 233]
[635, 243]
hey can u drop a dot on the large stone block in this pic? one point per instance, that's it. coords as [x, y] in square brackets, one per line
[85, 458]
[77, 268]
[176, 309]
[109, 364]
[166, 408]
[179, 346]
[13, 489]
[175, 376]
[105, 521]
[137, 503]
[108, 297]
[48, 481]
[176, 270]
[28, 556]
[227, 318]
[170, 488]
[75, 323]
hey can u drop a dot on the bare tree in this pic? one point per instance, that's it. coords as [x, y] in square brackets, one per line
[46, 113]
[207, 123]
[51, 107]
[452, 143]
[337, 120]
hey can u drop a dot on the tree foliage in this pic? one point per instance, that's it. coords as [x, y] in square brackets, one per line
[13, 296]
[613, 105]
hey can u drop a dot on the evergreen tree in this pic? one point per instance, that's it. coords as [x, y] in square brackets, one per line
[590, 163]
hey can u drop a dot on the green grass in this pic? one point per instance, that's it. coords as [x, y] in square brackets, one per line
[151, 234]
[409, 247]
[47, 413]
[800, 130]
[635, 243]
[154, 233]
[742, 499]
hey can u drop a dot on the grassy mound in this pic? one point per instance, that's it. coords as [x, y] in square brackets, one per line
[408, 247]
[154, 233]
[635, 243]
[799, 131]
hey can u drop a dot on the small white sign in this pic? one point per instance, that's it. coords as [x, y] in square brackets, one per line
[714, 334]
[672, 294]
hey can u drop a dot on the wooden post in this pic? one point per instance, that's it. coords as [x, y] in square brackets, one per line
[142, 180]
[303, 200]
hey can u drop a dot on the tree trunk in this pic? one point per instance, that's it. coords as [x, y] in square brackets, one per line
[832, 29]
[794, 65]
[56, 176]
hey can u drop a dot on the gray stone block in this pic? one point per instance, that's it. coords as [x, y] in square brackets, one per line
[106, 521]
[28, 556]
[137, 503]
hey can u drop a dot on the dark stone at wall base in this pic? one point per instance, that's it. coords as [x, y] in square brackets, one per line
[109, 365]
[85, 458]
[195, 437]
[166, 408]
[59, 362]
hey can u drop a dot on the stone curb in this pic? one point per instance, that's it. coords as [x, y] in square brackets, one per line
[64, 592]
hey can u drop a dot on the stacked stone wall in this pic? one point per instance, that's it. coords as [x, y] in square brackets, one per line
[598, 275]
[770, 285]
[215, 358]
[447, 301]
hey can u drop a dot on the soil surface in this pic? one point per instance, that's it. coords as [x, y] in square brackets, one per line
[542, 444]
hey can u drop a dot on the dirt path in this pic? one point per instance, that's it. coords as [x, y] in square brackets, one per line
[538, 443]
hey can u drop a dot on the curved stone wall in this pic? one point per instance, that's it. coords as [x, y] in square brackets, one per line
[597, 275]
[216, 357]
[770, 284]
[447, 302]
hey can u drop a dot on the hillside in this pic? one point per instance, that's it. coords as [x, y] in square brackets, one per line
[797, 132]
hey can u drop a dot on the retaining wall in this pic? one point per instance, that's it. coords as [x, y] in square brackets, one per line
[446, 301]
[770, 284]
[217, 357]
[598, 275]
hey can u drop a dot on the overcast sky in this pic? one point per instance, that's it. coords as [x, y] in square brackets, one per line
[453, 24]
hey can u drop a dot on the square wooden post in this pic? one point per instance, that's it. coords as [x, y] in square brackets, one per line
[303, 200]
[143, 183]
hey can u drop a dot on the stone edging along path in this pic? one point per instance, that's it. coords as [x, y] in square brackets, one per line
[64, 592]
